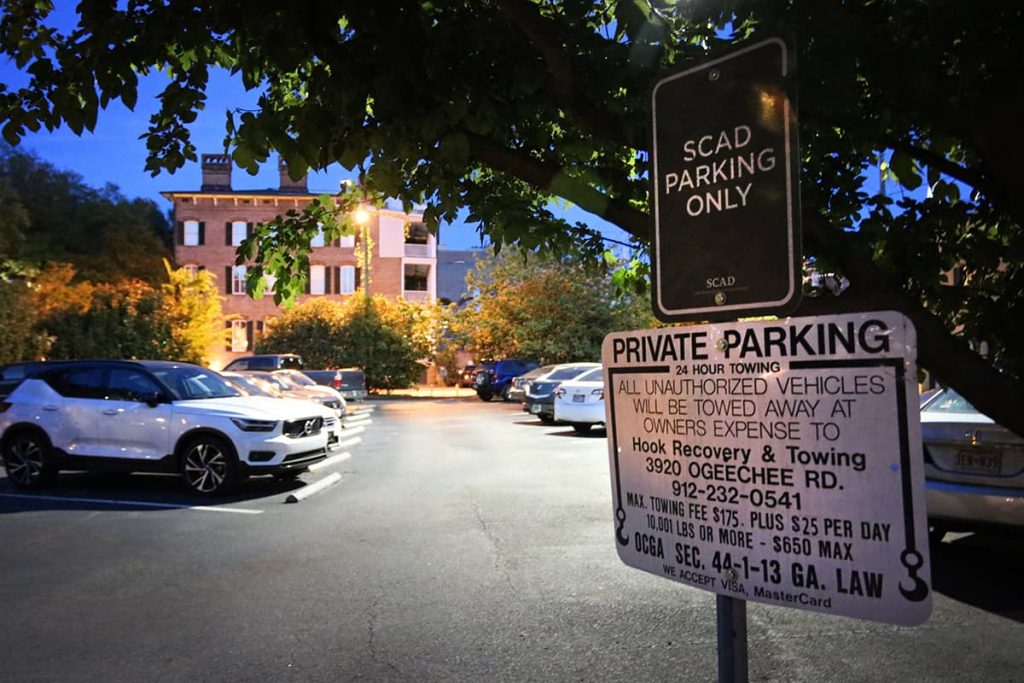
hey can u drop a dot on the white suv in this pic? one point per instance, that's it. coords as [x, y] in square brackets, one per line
[155, 416]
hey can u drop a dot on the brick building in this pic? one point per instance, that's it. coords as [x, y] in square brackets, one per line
[211, 222]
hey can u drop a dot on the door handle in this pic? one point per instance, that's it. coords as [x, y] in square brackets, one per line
[113, 411]
[49, 407]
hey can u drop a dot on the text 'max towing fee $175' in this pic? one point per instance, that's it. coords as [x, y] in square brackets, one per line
[774, 461]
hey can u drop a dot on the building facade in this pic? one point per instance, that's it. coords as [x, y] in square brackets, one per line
[211, 222]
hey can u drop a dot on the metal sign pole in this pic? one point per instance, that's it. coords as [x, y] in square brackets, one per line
[732, 639]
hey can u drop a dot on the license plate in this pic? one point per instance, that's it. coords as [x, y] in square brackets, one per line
[978, 461]
[578, 398]
[535, 408]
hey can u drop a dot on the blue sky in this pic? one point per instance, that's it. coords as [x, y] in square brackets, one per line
[113, 153]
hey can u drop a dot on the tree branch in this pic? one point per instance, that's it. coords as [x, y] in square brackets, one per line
[548, 178]
[945, 355]
[950, 168]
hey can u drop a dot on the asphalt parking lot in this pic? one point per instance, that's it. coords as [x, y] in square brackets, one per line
[464, 541]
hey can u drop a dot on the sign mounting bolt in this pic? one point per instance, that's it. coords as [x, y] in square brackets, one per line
[730, 574]
[714, 75]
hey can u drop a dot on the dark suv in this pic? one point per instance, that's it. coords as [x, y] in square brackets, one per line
[268, 362]
[493, 378]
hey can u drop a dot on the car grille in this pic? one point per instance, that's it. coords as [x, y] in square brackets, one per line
[297, 429]
[330, 421]
[293, 460]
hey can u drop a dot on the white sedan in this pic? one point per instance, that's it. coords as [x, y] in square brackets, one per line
[580, 402]
[974, 468]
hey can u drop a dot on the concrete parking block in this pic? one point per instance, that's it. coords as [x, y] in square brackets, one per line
[314, 488]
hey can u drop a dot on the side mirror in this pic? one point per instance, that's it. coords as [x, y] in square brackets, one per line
[153, 398]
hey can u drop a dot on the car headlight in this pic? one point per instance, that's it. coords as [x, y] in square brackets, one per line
[254, 425]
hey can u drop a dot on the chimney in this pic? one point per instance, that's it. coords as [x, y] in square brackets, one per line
[287, 184]
[216, 172]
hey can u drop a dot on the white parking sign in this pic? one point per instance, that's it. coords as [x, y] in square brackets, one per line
[774, 461]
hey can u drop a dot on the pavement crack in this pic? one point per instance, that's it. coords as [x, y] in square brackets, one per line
[500, 562]
[371, 644]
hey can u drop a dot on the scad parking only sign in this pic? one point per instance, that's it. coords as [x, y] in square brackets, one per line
[778, 462]
[725, 187]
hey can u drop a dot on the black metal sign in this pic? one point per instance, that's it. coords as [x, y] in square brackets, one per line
[725, 187]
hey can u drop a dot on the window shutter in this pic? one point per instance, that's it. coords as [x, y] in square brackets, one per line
[227, 234]
[309, 279]
[337, 279]
[329, 276]
[336, 243]
[227, 335]
[359, 276]
[202, 232]
[248, 230]
[259, 328]
[227, 279]
[248, 336]
[179, 233]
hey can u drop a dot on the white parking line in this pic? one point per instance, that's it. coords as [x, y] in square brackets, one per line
[349, 431]
[137, 503]
[333, 460]
[314, 488]
[359, 416]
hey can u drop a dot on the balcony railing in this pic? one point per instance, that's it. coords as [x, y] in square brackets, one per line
[419, 250]
[418, 295]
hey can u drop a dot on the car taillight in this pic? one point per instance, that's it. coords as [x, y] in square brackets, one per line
[4, 406]
[559, 392]
[598, 392]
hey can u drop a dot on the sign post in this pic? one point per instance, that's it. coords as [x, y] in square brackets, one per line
[774, 461]
[724, 188]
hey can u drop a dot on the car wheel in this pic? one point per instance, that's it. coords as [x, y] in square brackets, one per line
[581, 427]
[485, 395]
[28, 461]
[208, 466]
[546, 419]
[504, 393]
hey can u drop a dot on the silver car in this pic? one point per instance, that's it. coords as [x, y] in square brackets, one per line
[974, 468]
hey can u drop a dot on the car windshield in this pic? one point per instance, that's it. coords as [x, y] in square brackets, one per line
[591, 376]
[189, 383]
[298, 379]
[567, 373]
[949, 401]
[249, 386]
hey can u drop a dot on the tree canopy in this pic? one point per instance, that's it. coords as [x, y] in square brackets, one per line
[552, 310]
[501, 105]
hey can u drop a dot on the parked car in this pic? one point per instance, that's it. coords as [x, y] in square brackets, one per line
[281, 385]
[517, 389]
[267, 362]
[494, 378]
[349, 382]
[12, 374]
[974, 468]
[467, 378]
[540, 393]
[154, 416]
[580, 401]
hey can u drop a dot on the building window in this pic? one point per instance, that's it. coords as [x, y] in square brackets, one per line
[348, 280]
[192, 269]
[416, 233]
[238, 280]
[318, 238]
[347, 241]
[239, 231]
[416, 276]
[239, 336]
[192, 234]
[270, 280]
[316, 280]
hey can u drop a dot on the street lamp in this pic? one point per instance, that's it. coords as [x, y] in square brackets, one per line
[361, 216]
